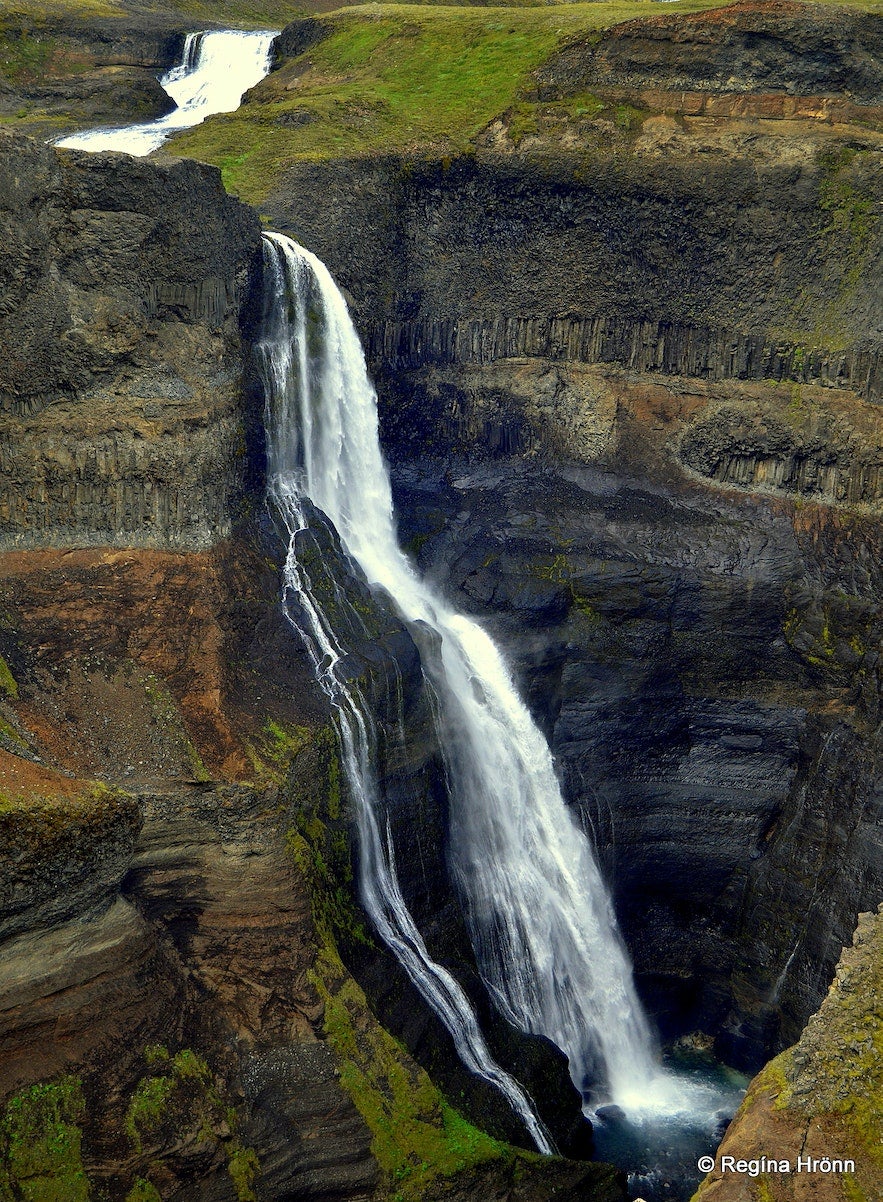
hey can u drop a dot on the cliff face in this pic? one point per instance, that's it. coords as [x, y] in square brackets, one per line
[157, 936]
[628, 359]
[121, 415]
[72, 66]
[164, 930]
[820, 1102]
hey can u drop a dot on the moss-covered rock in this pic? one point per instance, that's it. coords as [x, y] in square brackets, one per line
[821, 1101]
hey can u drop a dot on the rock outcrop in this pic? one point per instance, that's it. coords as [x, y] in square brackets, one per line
[816, 1112]
[745, 47]
[121, 412]
[73, 69]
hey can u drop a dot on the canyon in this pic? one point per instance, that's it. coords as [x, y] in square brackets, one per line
[628, 358]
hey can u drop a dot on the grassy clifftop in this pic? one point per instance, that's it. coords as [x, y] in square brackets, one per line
[395, 77]
[378, 78]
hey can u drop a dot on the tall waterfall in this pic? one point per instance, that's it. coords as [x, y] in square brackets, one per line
[216, 68]
[538, 913]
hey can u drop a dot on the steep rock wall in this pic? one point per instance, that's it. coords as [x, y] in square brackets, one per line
[706, 668]
[574, 253]
[817, 1109]
[124, 287]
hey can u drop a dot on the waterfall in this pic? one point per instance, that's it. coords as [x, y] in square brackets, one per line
[538, 913]
[217, 67]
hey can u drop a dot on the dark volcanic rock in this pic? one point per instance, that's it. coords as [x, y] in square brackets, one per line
[748, 47]
[124, 285]
[596, 255]
[300, 36]
[711, 731]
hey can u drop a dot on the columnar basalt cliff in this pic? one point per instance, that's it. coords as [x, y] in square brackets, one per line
[628, 356]
[121, 354]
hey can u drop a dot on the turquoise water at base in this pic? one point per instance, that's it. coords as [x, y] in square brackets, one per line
[659, 1152]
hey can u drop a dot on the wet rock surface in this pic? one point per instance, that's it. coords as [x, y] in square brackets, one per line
[719, 746]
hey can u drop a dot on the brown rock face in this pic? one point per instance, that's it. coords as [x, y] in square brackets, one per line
[148, 897]
[121, 357]
[809, 1129]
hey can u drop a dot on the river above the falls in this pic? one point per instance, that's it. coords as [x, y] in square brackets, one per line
[217, 68]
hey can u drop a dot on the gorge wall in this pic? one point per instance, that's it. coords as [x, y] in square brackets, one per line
[629, 373]
[124, 285]
[174, 1013]
[628, 370]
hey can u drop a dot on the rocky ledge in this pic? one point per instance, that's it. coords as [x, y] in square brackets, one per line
[810, 1125]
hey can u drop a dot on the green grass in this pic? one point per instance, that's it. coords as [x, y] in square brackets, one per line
[404, 78]
[395, 78]
[242, 13]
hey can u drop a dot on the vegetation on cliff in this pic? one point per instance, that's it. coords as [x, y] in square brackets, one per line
[177, 1109]
[823, 1098]
[411, 79]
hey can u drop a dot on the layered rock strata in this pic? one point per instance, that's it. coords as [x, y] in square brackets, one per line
[121, 416]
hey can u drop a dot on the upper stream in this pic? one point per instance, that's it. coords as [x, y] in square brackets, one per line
[215, 71]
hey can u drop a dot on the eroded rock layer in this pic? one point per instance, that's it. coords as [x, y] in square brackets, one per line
[810, 1124]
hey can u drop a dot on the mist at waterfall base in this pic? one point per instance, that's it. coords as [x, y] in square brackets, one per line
[217, 67]
[538, 913]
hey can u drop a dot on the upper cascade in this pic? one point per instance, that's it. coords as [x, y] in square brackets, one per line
[540, 919]
[217, 68]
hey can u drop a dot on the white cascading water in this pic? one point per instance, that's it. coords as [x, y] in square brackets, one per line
[540, 919]
[216, 69]
[307, 380]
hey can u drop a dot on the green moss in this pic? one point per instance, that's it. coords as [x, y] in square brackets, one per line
[852, 1191]
[155, 1053]
[628, 118]
[319, 844]
[183, 1103]
[243, 1167]
[416, 1136]
[143, 1191]
[46, 816]
[147, 1107]
[188, 1066]
[40, 1144]
[8, 683]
